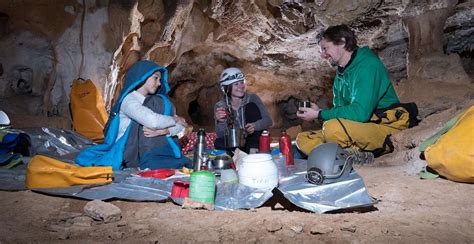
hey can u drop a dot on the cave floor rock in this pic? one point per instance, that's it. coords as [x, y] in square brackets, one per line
[408, 210]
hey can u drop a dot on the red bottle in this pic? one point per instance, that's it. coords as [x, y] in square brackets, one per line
[264, 142]
[285, 147]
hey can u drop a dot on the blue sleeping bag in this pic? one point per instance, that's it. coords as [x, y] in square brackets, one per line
[111, 152]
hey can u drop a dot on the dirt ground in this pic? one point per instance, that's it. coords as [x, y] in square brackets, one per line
[408, 209]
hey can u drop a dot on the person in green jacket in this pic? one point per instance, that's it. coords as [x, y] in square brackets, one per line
[366, 109]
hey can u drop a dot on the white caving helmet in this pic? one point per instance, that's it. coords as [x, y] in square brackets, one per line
[328, 163]
[229, 76]
[4, 120]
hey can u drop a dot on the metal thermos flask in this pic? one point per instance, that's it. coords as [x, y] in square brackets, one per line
[264, 142]
[199, 150]
[285, 147]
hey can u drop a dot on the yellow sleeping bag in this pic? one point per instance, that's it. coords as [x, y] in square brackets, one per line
[452, 156]
[46, 172]
[88, 110]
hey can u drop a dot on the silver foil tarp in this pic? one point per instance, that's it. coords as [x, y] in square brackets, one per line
[136, 188]
[53, 142]
[57, 143]
[64, 145]
[347, 194]
[125, 187]
[131, 188]
[235, 196]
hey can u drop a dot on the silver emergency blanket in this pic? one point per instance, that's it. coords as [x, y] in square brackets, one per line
[57, 143]
[347, 194]
[64, 145]
[131, 188]
[236, 196]
[136, 188]
[125, 186]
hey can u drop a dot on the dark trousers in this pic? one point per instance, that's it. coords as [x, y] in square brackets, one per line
[251, 114]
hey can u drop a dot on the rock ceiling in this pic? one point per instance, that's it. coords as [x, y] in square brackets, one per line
[45, 45]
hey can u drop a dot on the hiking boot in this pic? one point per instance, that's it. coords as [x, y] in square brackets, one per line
[360, 157]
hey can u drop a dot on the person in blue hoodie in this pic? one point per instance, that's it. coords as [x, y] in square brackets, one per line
[142, 128]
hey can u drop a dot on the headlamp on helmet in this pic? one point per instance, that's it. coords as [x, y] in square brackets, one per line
[231, 75]
[328, 163]
[4, 120]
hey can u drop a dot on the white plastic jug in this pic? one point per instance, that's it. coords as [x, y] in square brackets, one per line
[258, 171]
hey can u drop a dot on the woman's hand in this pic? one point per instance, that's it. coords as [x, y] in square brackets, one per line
[180, 120]
[147, 132]
[249, 128]
[221, 114]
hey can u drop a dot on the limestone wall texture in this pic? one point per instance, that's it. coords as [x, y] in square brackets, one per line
[45, 45]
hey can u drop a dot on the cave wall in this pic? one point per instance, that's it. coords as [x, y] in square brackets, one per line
[426, 54]
[45, 45]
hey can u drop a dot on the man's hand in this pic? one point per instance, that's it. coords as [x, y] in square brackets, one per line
[308, 114]
[221, 114]
[249, 128]
[147, 132]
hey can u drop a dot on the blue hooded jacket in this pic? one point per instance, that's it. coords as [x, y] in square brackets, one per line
[110, 153]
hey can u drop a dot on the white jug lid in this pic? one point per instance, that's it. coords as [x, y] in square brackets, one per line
[257, 157]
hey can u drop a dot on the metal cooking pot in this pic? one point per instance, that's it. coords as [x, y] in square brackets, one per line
[221, 162]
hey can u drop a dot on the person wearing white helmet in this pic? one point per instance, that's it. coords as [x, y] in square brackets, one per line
[248, 109]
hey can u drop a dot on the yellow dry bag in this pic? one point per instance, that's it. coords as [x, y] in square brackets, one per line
[452, 156]
[46, 172]
[88, 110]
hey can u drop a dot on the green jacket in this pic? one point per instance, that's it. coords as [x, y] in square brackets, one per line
[360, 89]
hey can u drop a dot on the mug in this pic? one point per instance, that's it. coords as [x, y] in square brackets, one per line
[304, 104]
[180, 189]
[226, 111]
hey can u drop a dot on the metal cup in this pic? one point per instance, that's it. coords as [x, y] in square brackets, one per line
[304, 104]
[234, 137]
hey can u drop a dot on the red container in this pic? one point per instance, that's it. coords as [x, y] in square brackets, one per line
[180, 189]
[285, 147]
[157, 173]
[264, 142]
